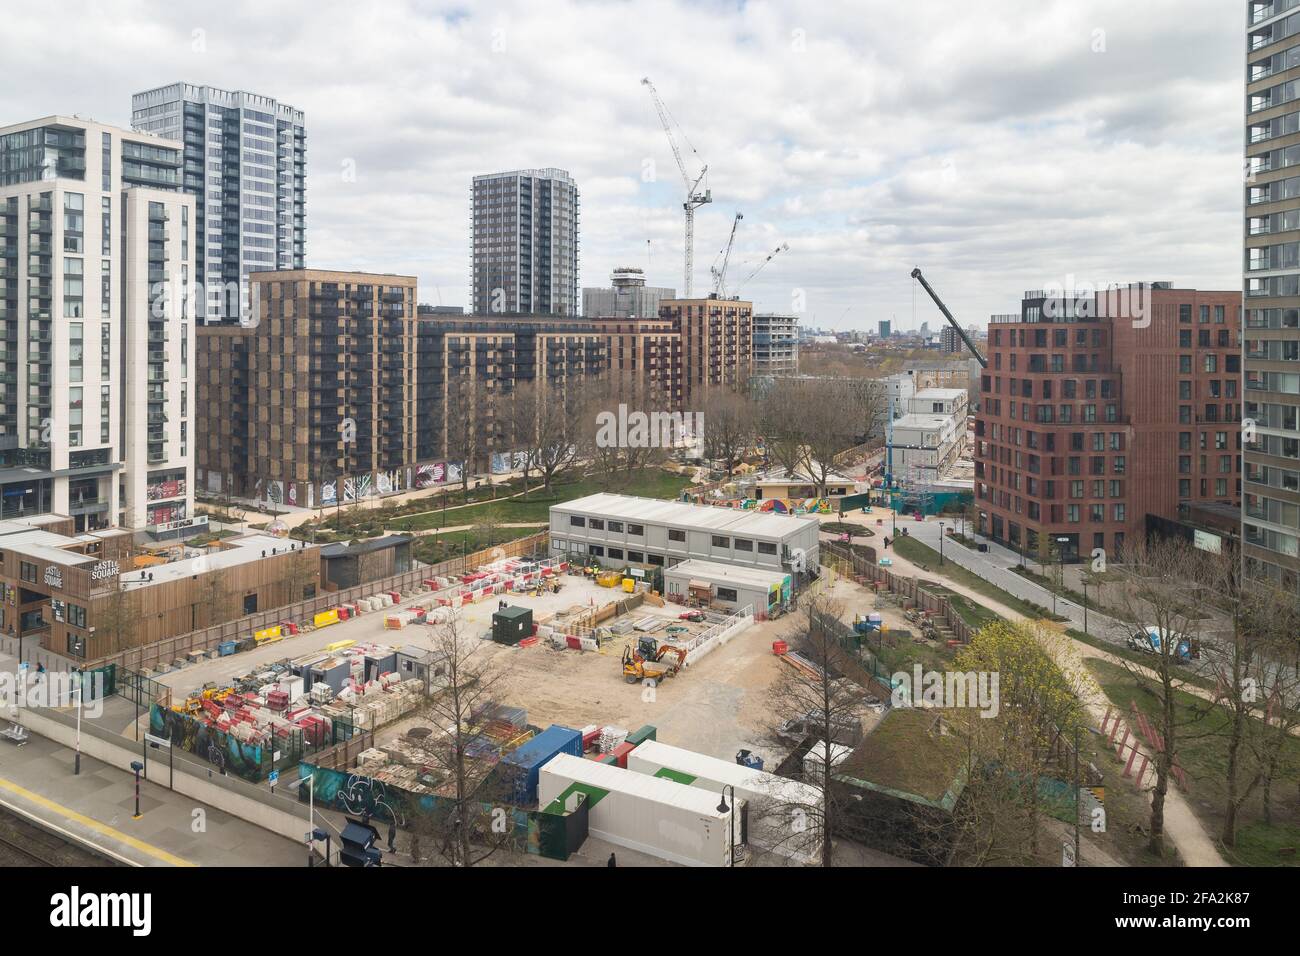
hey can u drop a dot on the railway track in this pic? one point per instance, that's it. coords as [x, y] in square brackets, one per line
[24, 844]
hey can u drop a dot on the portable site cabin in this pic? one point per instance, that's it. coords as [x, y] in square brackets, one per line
[649, 814]
[728, 586]
[511, 625]
[784, 815]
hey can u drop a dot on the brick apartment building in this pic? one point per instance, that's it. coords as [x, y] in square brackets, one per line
[1098, 411]
[717, 344]
[317, 391]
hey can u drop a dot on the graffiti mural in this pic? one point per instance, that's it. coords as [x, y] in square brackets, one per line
[226, 753]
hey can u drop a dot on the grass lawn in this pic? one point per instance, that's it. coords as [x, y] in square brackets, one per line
[1203, 757]
[975, 615]
[535, 506]
[923, 554]
[432, 549]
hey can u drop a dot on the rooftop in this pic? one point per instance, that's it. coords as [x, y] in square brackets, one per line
[906, 757]
[712, 571]
[701, 517]
[253, 547]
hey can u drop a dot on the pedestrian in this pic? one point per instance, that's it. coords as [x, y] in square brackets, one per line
[611, 861]
[392, 838]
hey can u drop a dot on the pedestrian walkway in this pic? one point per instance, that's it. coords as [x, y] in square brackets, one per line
[96, 808]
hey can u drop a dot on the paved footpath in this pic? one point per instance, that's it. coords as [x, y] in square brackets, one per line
[96, 808]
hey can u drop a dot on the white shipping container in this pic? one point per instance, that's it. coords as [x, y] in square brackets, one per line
[784, 815]
[648, 814]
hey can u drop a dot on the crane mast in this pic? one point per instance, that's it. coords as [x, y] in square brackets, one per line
[694, 198]
[720, 272]
[916, 274]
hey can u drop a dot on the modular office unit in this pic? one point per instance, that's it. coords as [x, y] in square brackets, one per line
[617, 529]
[784, 815]
[649, 814]
[733, 588]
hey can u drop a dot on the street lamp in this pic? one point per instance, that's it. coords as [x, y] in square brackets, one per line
[1085, 604]
[941, 543]
[76, 760]
[137, 766]
[722, 808]
[1060, 563]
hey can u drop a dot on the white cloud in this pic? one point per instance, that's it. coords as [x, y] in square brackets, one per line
[988, 143]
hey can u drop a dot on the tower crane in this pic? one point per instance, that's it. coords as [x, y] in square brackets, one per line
[694, 197]
[916, 274]
[720, 272]
[783, 247]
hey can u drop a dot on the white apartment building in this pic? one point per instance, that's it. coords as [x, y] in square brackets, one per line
[96, 252]
[245, 160]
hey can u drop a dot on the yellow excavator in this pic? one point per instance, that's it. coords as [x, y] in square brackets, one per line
[648, 663]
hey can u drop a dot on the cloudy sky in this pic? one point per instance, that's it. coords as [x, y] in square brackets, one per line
[1002, 146]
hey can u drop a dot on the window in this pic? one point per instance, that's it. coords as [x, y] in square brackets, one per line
[616, 553]
[766, 547]
[597, 550]
[655, 559]
[744, 544]
[636, 529]
[596, 524]
[636, 556]
[721, 541]
[675, 535]
[728, 594]
[616, 527]
[576, 521]
[27, 571]
[76, 616]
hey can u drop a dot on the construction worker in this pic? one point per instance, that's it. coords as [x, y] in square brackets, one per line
[611, 861]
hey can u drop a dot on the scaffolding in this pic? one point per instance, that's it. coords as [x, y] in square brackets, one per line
[915, 492]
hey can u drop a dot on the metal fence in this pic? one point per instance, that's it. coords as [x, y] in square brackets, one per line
[866, 572]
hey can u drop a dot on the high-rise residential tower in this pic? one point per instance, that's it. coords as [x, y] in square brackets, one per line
[245, 157]
[525, 253]
[96, 333]
[1271, 504]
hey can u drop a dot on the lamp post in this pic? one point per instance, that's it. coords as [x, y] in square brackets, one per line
[940, 543]
[136, 767]
[1085, 604]
[1060, 564]
[722, 808]
[76, 760]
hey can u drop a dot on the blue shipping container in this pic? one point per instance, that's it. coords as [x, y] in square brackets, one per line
[521, 766]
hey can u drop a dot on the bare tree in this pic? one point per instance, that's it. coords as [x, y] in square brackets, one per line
[1165, 595]
[464, 827]
[729, 427]
[826, 702]
[466, 410]
[1255, 684]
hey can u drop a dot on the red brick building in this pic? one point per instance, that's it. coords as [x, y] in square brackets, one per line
[1099, 410]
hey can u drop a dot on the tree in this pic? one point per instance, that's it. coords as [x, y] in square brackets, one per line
[1165, 590]
[215, 596]
[830, 704]
[1010, 749]
[1255, 684]
[464, 826]
[466, 410]
[118, 617]
[729, 427]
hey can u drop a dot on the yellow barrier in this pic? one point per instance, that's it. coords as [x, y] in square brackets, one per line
[338, 646]
[326, 617]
